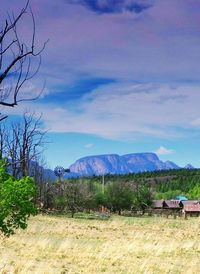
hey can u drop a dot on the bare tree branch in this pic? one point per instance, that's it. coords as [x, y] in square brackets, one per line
[16, 58]
[24, 142]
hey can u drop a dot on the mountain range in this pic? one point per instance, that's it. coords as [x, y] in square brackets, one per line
[115, 164]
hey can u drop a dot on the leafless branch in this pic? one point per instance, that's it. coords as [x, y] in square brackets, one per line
[25, 142]
[16, 58]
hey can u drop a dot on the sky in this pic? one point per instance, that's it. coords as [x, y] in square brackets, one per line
[121, 76]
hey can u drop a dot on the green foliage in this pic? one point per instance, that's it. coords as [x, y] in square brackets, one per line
[74, 196]
[170, 194]
[16, 201]
[101, 198]
[122, 192]
[194, 193]
[186, 183]
[142, 197]
[119, 196]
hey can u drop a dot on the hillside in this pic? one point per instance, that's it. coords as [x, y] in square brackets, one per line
[166, 184]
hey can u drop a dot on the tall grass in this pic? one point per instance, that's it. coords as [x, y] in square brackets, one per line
[118, 245]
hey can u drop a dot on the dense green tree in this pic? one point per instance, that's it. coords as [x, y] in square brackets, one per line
[16, 201]
[119, 196]
[101, 198]
[168, 195]
[142, 198]
[194, 193]
[74, 196]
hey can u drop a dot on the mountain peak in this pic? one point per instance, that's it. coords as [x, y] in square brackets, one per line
[115, 164]
[189, 166]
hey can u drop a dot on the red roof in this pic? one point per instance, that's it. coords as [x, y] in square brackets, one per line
[190, 202]
[158, 203]
[172, 203]
[195, 207]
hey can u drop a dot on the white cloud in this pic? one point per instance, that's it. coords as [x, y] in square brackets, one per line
[31, 90]
[164, 151]
[196, 123]
[89, 146]
[126, 111]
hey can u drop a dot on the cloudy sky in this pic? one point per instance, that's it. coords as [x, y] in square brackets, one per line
[121, 76]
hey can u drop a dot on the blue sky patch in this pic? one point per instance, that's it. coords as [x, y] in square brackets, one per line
[75, 91]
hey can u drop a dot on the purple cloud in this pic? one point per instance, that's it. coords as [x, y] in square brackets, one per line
[115, 6]
[160, 45]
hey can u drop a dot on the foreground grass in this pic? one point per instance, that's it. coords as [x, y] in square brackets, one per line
[119, 245]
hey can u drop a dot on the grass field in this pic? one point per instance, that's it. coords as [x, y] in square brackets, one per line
[118, 245]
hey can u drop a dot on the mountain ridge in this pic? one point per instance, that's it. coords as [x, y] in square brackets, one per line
[116, 164]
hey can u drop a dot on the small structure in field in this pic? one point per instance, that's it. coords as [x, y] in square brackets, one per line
[177, 207]
[166, 207]
[158, 204]
[171, 207]
[181, 198]
[171, 204]
[190, 208]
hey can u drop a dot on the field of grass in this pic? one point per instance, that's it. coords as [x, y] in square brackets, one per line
[119, 245]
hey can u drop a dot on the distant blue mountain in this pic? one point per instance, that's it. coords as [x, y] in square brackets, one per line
[115, 164]
[189, 166]
[109, 164]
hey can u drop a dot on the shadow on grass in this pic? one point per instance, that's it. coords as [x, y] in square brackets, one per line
[92, 216]
[80, 215]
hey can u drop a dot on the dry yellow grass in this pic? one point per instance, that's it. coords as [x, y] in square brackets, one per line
[119, 245]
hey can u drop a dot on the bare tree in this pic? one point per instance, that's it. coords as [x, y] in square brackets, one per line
[25, 142]
[39, 172]
[17, 58]
[3, 137]
[12, 148]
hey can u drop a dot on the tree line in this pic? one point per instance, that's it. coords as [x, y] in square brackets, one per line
[74, 195]
[131, 192]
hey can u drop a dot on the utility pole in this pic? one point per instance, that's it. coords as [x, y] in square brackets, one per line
[103, 183]
[103, 186]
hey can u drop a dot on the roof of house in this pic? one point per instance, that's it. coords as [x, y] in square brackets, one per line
[190, 202]
[192, 207]
[172, 203]
[157, 203]
[189, 205]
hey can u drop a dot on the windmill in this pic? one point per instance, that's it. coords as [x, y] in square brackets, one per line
[59, 171]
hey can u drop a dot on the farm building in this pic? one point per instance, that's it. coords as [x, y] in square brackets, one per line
[158, 204]
[188, 202]
[167, 207]
[166, 204]
[190, 207]
[171, 204]
[183, 207]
